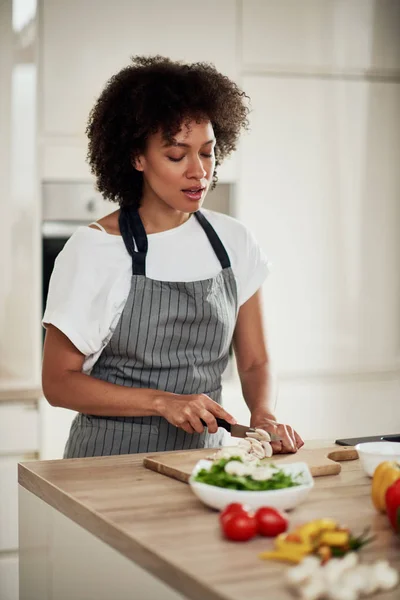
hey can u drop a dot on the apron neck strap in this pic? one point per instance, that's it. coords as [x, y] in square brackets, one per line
[135, 239]
[214, 240]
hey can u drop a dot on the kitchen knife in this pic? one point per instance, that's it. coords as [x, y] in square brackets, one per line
[240, 431]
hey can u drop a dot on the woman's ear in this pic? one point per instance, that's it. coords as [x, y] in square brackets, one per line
[138, 163]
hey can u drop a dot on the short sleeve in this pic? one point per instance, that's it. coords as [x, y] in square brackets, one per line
[249, 263]
[86, 290]
[252, 269]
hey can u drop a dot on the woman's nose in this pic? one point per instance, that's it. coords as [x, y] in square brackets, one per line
[196, 169]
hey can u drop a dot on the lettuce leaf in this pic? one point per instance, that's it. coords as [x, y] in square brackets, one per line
[217, 476]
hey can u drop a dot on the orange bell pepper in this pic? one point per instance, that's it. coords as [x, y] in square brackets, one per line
[385, 474]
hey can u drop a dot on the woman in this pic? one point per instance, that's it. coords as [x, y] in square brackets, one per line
[144, 304]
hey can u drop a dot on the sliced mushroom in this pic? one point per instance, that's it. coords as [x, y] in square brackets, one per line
[253, 435]
[235, 467]
[267, 449]
[262, 473]
[257, 449]
[263, 435]
[245, 444]
[256, 444]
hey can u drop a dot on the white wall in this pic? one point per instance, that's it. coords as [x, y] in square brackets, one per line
[320, 188]
[5, 162]
[20, 240]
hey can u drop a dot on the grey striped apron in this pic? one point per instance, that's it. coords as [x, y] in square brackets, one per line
[172, 336]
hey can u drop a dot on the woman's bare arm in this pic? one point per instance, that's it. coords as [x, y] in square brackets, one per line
[253, 367]
[65, 385]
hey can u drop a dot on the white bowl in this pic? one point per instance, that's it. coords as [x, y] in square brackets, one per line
[284, 499]
[373, 453]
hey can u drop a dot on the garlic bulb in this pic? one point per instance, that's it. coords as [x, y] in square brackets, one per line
[341, 578]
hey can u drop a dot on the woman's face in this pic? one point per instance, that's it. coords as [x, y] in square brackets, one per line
[177, 174]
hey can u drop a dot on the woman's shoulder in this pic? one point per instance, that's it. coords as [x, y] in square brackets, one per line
[103, 233]
[109, 224]
[249, 263]
[222, 219]
[228, 227]
[91, 239]
[89, 254]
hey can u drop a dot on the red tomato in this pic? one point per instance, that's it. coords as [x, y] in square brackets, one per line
[239, 526]
[232, 509]
[270, 522]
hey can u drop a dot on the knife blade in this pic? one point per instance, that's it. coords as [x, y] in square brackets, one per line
[240, 431]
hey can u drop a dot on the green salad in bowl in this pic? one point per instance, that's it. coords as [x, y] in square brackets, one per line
[218, 483]
[242, 476]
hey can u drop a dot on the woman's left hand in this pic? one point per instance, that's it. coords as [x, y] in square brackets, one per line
[291, 441]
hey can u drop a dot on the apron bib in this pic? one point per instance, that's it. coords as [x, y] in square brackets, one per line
[171, 336]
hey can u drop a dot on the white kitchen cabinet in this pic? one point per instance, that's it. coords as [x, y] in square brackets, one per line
[19, 441]
[84, 43]
[319, 187]
[337, 35]
[19, 428]
[9, 577]
[9, 502]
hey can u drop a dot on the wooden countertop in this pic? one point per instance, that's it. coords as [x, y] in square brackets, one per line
[158, 523]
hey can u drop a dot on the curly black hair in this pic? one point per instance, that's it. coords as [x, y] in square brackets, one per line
[153, 94]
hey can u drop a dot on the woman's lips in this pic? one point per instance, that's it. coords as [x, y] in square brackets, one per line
[194, 194]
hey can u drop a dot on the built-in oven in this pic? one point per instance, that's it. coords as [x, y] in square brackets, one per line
[66, 206]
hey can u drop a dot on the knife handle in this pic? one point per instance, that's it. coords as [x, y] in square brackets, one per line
[220, 423]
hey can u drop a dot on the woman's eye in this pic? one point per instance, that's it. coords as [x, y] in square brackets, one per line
[173, 159]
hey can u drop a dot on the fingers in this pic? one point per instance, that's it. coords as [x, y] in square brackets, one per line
[291, 441]
[276, 447]
[216, 409]
[186, 426]
[197, 425]
[197, 408]
[288, 439]
[210, 421]
[288, 444]
[299, 440]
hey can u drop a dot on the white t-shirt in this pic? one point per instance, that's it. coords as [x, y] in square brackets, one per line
[91, 279]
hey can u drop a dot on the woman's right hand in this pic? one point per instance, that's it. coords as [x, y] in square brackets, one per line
[187, 410]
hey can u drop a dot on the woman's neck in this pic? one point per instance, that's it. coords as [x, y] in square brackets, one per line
[156, 219]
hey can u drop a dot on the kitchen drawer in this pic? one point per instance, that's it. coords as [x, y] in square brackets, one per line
[9, 583]
[19, 428]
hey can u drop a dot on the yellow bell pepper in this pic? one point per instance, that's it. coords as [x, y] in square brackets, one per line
[286, 554]
[334, 538]
[309, 531]
[326, 524]
[385, 474]
[304, 546]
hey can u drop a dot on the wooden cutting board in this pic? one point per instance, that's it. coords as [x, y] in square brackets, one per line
[321, 461]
